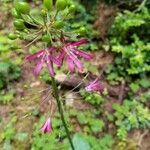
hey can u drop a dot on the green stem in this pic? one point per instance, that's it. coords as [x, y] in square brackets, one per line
[141, 5]
[60, 109]
[35, 21]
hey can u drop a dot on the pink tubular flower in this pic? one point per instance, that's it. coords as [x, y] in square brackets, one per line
[94, 86]
[47, 127]
[72, 54]
[44, 56]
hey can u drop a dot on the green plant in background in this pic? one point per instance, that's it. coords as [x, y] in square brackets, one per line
[92, 98]
[91, 122]
[6, 97]
[130, 43]
[129, 40]
[8, 73]
[8, 134]
[104, 143]
[129, 115]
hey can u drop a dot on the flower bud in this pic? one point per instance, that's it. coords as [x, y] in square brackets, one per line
[48, 4]
[46, 38]
[72, 8]
[15, 14]
[19, 24]
[43, 12]
[61, 4]
[82, 30]
[47, 126]
[12, 36]
[22, 8]
[58, 24]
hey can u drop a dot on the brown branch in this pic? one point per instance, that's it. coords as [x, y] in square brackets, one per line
[72, 81]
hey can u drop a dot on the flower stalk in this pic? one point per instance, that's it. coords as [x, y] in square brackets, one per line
[60, 109]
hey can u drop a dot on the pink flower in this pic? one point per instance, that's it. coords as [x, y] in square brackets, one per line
[44, 56]
[94, 86]
[72, 54]
[47, 127]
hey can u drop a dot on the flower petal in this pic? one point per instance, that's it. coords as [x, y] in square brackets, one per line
[83, 53]
[47, 127]
[51, 48]
[35, 55]
[55, 60]
[61, 57]
[80, 42]
[76, 62]
[94, 86]
[50, 67]
[71, 64]
[38, 68]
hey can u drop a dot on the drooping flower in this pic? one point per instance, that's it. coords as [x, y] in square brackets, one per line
[71, 53]
[44, 56]
[94, 86]
[47, 126]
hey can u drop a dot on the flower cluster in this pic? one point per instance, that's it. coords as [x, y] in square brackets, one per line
[68, 51]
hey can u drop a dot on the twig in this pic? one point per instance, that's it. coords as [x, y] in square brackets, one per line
[35, 39]
[121, 93]
[141, 138]
[141, 6]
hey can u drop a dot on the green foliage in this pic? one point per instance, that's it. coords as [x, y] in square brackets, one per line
[90, 121]
[80, 143]
[129, 40]
[9, 130]
[92, 98]
[103, 143]
[6, 97]
[131, 114]
[6, 46]
[8, 73]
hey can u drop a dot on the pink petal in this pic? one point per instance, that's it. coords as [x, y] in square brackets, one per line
[38, 67]
[35, 55]
[83, 54]
[94, 86]
[80, 42]
[61, 57]
[71, 64]
[50, 68]
[51, 48]
[55, 60]
[47, 127]
[76, 62]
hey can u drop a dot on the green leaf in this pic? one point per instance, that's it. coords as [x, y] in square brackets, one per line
[80, 143]
[97, 125]
[145, 83]
[134, 87]
[21, 136]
